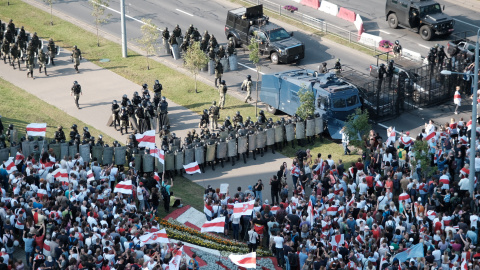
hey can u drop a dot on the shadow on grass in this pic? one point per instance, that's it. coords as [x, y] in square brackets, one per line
[115, 67]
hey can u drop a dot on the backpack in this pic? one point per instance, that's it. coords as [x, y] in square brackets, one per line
[10, 241]
[164, 192]
[292, 259]
[76, 90]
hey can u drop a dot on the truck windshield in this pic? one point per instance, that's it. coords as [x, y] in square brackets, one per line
[345, 102]
[431, 9]
[278, 34]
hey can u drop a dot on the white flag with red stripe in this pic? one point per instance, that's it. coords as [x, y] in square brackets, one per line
[90, 176]
[208, 210]
[431, 214]
[243, 209]
[41, 193]
[404, 197]
[60, 175]
[248, 260]
[351, 202]
[311, 214]
[37, 129]
[192, 168]
[337, 240]
[154, 237]
[174, 263]
[465, 172]
[274, 209]
[158, 153]
[360, 239]
[430, 135]
[332, 210]
[445, 180]
[216, 225]
[10, 165]
[146, 139]
[464, 265]
[406, 140]
[19, 157]
[124, 187]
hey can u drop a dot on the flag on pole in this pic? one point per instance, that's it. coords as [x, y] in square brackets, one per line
[415, 251]
[192, 168]
[158, 153]
[174, 263]
[248, 260]
[464, 265]
[146, 139]
[124, 187]
[154, 237]
[19, 157]
[243, 209]
[90, 176]
[216, 225]
[37, 129]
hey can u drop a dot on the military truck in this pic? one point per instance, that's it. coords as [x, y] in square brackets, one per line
[335, 99]
[275, 42]
[422, 16]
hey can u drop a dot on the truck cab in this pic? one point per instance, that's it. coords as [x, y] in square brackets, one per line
[423, 16]
[275, 42]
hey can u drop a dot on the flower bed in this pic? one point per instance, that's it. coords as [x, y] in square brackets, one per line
[225, 263]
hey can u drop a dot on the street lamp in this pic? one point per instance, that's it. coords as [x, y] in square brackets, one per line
[471, 176]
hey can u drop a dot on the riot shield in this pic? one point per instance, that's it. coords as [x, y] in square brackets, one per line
[166, 46]
[153, 123]
[175, 51]
[179, 40]
[43, 146]
[232, 147]
[261, 139]
[133, 120]
[310, 130]
[32, 145]
[189, 155]
[221, 150]
[211, 151]
[211, 67]
[13, 151]
[172, 147]
[200, 154]
[318, 125]
[26, 148]
[63, 150]
[300, 130]
[289, 132]
[232, 61]
[278, 133]
[110, 121]
[97, 152]
[4, 154]
[179, 160]
[252, 142]
[120, 154]
[138, 162]
[169, 161]
[160, 167]
[107, 155]
[13, 136]
[223, 134]
[242, 144]
[56, 150]
[148, 163]
[84, 151]
[224, 62]
[270, 136]
[72, 150]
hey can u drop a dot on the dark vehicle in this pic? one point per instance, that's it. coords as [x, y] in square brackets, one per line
[243, 24]
[422, 16]
[461, 44]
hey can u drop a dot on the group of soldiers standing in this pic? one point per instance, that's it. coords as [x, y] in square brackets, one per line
[140, 113]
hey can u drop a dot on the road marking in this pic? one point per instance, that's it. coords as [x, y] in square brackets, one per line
[250, 68]
[384, 32]
[426, 47]
[184, 12]
[467, 23]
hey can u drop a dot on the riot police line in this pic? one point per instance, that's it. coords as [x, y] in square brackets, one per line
[220, 59]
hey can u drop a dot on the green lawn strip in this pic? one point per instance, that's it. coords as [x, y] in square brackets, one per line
[191, 194]
[20, 108]
[325, 148]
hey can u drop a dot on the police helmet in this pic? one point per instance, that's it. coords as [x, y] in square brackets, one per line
[129, 103]
[144, 85]
[115, 142]
[106, 145]
[75, 47]
[249, 77]
[135, 94]
[85, 129]
[270, 119]
[35, 33]
[221, 47]
[223, 81]
[74, 126]
[147, 96]
[214, 103]
[391, 61]
[436, 45]
[125, 96]
[192, 36]
[261, 112]
[238, 113]
[163, 98]
[157, 82]
[62, 141]
[164, 127]
[324, 64]
[140, 105]
[77, 136]
[100, 137]
[249, 118]
[114, 102]
[191, 25]
[10, 126]
[382, 65]
[442, 47]
[75, 82]
[211, 49]
[397, 42]
[227, 118]
[177, 26]
[338, 59]
[30, 138]
[432, 49]
[205, 111]
[278, 122]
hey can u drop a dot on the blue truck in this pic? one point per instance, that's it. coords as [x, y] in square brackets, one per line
[335, 98]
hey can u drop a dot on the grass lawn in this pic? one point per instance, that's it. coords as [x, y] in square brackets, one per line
[190, 193]
[21, 108]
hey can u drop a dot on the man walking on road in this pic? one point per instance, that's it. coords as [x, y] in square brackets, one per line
[247, 85]
[76, 57]
[76, 91]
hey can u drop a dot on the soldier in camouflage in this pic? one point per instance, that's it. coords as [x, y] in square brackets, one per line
[237, 119]
[204, 121]
[218, 73]
[222, 89]
[123, 120]
[76, 57]
[30, 65]
[76, 91]
[42, 62]
[52, 50]
[115, 114]
[15, 55]
[230, 48]
[214, 114]
[206, 36]
[247, 86]
[6, 51]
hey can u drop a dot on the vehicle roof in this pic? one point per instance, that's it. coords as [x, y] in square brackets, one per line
[327, 82]
[238, 11]
[268, 26]
[422, 3]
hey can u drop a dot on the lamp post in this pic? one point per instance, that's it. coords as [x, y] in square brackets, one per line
[471, 176]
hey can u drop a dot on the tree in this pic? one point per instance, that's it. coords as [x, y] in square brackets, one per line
[254, 56]
[195, 59]
[357, 128]
[98, 14]
[149, 38]
[307, 102]
[422, 159]
[50, 3]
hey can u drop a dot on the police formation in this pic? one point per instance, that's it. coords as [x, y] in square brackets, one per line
[141, 113]
[236, 139]
[85, 145]
[220, 59]
[16, 46]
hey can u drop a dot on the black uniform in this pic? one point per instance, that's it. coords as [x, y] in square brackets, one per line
[52, 50]
[381, 73]
[116, 114]
[59, 135]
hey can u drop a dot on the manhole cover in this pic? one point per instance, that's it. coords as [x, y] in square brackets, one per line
[105, 60]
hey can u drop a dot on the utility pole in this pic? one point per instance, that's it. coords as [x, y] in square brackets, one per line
[124, 29]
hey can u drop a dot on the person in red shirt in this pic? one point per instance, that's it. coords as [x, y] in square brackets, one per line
[359, 164]
[40, 237]
[376, 232]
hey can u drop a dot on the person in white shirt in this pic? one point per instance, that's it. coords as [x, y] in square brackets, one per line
[140, 196]
[278, 239]
[363, 187]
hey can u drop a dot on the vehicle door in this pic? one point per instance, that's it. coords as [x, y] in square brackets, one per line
[400, 8]
[414, 17]
[260, 37]
[242, 28]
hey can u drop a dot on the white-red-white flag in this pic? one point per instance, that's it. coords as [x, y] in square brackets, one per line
[208, 210]
[174, 263]
[310, 212]
[337, 240]
[248, 260]
[431, 214]
[332, 210]
[215, 225]
[41, 193]
[158, 153]
[243, 209]
[430, 135]
[465, 172]
[37, 129]
[19, 157]
[124, 187]
[90, 176]
[192, 168]
[146, 139]
[464, 265]
[154, 237]
[404, 197]
[391, 136]
[10, 165]
[60, 175]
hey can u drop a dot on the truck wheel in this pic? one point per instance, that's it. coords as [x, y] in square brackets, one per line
[426, 32]
[271, 109]
[392, 20]
[274, 58]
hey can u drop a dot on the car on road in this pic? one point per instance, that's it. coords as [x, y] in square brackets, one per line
[422, 16]
[460, 45]
[275, 42]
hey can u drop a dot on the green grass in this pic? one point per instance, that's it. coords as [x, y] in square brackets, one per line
[20, 108]
[191, 194]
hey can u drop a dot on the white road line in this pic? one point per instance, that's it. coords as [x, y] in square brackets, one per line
[476, 26]
[250, 68]
[184, 12]
[382, 125]
[384, 32]
[426, 47]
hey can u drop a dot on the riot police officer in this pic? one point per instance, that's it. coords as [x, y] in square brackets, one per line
[203, 44]
[136, 99]
[177, 32]
[42, 62]
[227, 124]
[115, 114]
[52, 51]
[149, 115]
[338, 66]
[221, 52]
[165, 35]
[247, 86]
[323, 69]
[397, 49]
[389, 74]
[248, 120]
[441, 55]
[124, 100]
[204, 121]
[139, 113]
[59, 134]
[6, 50]
[218, 73]
[261, 117]
[30, 65]
[206, 36]
[123, 120]
[157, 89]
[237, 119]
[162, 111]
[222, 89]
[214, 114]
[432, 57]
[22, 40]
[76, 57]
[381, 73]
[189, 30]
[213, 42]
[86, 134]
[230, 48]
[131, 115]
[100, 141]
[36, 41]
[73, 132]
[11, 27]
[76, 91]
